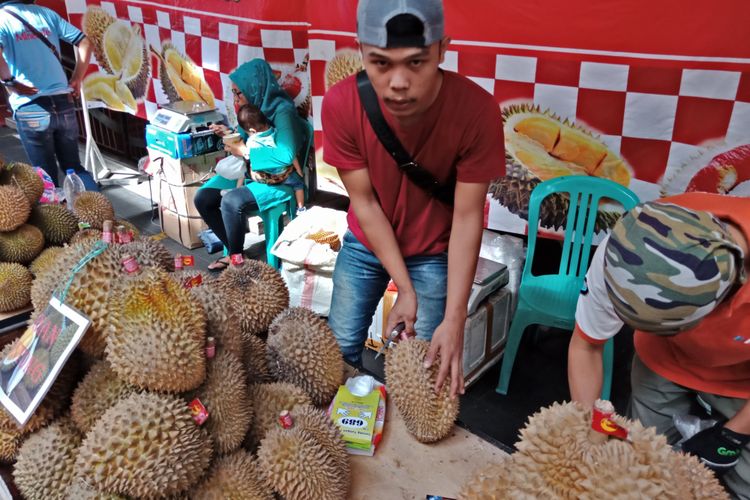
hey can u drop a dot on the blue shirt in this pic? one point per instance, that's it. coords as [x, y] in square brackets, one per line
[30, 61]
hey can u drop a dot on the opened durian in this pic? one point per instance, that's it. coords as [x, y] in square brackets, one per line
[44, 469]
[539, 146]
[181, 78]
[318, 371]
[269, 400]
[157, 333]
[99, 390]
[237, 477]
[57, 223]
[110, 90]
[223, 323]
[119, 49]
[146, 445]
[25, 177]
[93, 208]
[345, 62]
[21, 245]
[257, 291]
[309, 460]
[557, 458]
[46, 260]
[256, 360]
[15, 286]
[14, 208]
[428, 416]
[225, 396]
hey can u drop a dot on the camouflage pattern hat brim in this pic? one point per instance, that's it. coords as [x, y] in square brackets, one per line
[666, 267]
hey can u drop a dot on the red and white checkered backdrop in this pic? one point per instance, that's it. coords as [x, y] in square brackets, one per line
[665, 86]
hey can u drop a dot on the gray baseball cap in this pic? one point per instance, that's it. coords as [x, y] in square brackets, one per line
[400, 23]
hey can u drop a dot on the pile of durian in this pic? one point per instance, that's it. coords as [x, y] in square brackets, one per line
[118, 423]
[560, 457]
[32, 235]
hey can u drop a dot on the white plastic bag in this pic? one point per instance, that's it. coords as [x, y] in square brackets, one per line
[232, 167]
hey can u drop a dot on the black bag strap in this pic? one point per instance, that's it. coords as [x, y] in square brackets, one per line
[35, 31]
[416, 173]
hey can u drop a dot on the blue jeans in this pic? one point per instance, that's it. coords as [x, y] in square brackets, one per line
[226, 215]
[48, 128]
[359, 281]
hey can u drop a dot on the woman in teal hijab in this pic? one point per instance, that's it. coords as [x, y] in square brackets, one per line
[252, 83]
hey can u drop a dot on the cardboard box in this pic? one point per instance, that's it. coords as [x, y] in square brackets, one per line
[178, 199]
[186, 171]
[181, 228]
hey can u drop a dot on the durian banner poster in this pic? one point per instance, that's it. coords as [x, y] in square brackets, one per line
[652, 95]
[148, 54]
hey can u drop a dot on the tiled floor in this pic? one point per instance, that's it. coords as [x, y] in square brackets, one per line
[539, 375]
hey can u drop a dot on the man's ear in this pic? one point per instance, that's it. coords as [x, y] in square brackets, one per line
[443, 47]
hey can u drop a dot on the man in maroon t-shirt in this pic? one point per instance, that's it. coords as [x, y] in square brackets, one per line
[452, 128]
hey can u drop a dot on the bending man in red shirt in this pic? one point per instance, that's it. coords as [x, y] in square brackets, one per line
[676, 272]
[452, 128]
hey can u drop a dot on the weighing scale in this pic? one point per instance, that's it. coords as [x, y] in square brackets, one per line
[489, 277]
[180, 129]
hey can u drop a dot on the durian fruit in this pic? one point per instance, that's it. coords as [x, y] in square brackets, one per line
[45, 260]
[181, 78]
[44, 469]
[556, 458]
[256, 360]
[258, 293]
[345, 62]
[95, 23]
[25, 177]
[10, 442]
[225, 396]
[99, 390]
[319, 370]
[514, 193]
[110, 90]
[223, 323]
[126, 56]
[269, 400]
[94, 208]
[157, 333]
[86, 235]
[129, 226]
[428, 416]
[237, 477]
[79, 490]
[21, 245]
[309, 460]
[57, 223]
[14, 208]
[539, 146]
[146, 445]
[15, 286]
[148, 252]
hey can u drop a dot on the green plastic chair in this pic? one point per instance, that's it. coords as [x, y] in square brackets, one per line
[273, 218]
[551, 299]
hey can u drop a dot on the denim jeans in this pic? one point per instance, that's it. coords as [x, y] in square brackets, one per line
[359, 281]
[48, 128]
[226, 215]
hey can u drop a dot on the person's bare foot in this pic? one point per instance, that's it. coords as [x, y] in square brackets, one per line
[219, 264]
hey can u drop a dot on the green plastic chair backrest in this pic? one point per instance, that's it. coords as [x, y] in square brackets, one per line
[584, 195]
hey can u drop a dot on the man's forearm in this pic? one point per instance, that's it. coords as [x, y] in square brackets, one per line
[740, 422]
[381, 237]
[585, 372]
[83, 51]
[463, 252]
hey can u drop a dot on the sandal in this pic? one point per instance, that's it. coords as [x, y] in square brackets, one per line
[218, 265]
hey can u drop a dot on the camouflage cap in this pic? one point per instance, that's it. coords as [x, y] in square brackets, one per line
[666, 267]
